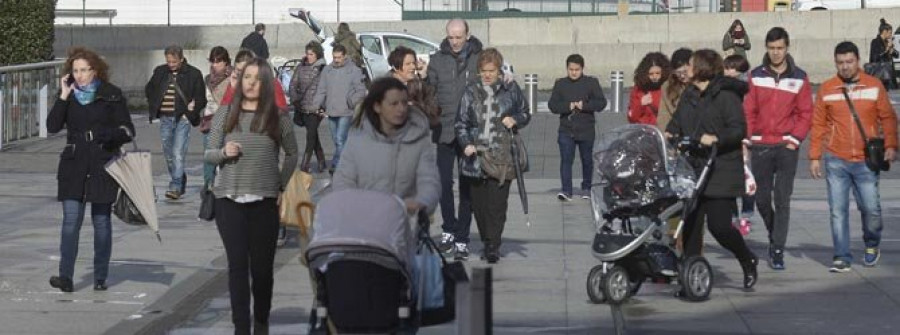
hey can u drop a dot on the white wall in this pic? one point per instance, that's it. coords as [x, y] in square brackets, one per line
[213, 12]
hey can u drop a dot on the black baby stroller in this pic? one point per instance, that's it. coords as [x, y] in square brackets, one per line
[640, 182]
[361, 257]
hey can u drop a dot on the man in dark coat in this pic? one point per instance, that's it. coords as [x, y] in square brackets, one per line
[256, 42]
[576, 98]
[176, 95]
[450, 70]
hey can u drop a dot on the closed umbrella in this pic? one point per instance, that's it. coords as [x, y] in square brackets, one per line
[133, 172]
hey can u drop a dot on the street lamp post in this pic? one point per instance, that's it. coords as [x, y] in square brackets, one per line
[83, 13]
[339, 11]
[169, 13]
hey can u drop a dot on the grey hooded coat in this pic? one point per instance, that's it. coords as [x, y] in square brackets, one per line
[403, 165]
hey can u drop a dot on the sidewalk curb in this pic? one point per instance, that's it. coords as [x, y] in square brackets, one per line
[184, 300]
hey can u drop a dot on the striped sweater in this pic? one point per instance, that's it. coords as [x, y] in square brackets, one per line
[256, 171]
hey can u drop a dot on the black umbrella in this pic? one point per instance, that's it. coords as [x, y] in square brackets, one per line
[520, 179]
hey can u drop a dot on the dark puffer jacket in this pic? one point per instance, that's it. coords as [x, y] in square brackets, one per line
[304, 83]
[81, 174]
[470, 120]
[718, 111]
[449, 73]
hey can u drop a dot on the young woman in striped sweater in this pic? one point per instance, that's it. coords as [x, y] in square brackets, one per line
[245, 141]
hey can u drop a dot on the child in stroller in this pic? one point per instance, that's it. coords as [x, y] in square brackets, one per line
[363, 263]
[640, 183]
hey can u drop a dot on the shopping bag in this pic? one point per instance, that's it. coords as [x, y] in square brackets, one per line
[296, 204]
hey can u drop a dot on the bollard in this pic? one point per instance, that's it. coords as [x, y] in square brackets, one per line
[474, 304]
[616, 80]
[531, 82]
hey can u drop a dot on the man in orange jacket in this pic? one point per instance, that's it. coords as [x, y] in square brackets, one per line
[837, 140]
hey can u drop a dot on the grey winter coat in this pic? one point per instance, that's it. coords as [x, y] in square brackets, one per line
[340, 89]
[449, 74]
[403, 165]
[470, 121]
[302, 91]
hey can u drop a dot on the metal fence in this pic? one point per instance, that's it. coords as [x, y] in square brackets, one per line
[549, 7]
[25, 98]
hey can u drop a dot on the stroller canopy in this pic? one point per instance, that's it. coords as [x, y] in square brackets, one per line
[362, 218]
[635, 168]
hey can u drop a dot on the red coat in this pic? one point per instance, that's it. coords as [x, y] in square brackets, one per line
[280, 99]
[643, 114]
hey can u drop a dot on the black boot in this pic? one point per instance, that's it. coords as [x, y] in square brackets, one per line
[491, 253]
[304, 165]
[62, 283]
[750, 274]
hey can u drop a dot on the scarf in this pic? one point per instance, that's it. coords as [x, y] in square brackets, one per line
[86, 94]
[214, 79]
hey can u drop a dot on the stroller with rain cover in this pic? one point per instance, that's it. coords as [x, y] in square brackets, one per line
[361, 256]
[640, 182]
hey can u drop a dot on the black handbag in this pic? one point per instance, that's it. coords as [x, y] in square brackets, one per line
[299, 120]
[207, 205]
[125, 210]
[880, 70]
[874, 149]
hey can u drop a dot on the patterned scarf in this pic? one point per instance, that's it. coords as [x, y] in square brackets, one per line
[214, 79]
[86, 94]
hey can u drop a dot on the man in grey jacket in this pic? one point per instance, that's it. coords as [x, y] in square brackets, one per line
[340, 89]
[449, 71]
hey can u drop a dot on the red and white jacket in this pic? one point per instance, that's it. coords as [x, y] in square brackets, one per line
[778, 108]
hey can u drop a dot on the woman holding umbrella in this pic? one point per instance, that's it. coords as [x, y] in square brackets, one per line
[245, 141]
[490, 110]
[97, 122]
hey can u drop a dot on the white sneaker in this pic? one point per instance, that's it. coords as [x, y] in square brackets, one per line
[446, 245]
[563, 197]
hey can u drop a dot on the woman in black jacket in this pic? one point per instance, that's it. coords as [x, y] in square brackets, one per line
[882, 50]
[302, 92]
[97, 123]
[711, 112]
[486, 145]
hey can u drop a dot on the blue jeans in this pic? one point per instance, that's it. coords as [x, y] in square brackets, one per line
[456, 221]
[340, 127]
[567, 144]
[842, 176]
[209, 169]
[175, 143]
[73, 216]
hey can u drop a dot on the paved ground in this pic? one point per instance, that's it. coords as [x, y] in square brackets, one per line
[178, 286]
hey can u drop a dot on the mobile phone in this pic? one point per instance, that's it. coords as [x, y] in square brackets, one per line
[70, 80]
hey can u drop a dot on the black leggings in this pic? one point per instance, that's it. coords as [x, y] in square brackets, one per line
[311, 123]
[718, 217]
[249, 232]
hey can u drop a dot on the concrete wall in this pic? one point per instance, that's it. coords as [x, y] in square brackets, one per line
[532, 45]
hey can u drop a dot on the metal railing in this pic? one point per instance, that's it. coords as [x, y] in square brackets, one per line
[25, 99]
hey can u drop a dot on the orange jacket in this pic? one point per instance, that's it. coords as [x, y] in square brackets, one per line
[833, 126]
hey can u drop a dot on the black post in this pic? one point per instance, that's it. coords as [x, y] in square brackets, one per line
[83, 13]
[488, 301]
[253, 12]
[169, 13]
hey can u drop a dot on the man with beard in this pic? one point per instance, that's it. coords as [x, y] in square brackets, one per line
[778, 108]
[845, 104]
[576, 98]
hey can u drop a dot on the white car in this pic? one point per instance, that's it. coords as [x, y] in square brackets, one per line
[376, 46]
[807, 5]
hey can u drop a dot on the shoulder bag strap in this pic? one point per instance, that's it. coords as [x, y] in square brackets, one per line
[178, 89]
[862, 130]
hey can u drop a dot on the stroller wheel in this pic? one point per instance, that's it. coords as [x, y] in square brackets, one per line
[696, 278]
[594, 284]
[616, 286]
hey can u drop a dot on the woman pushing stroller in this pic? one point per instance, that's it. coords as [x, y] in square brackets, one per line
[710, 111]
